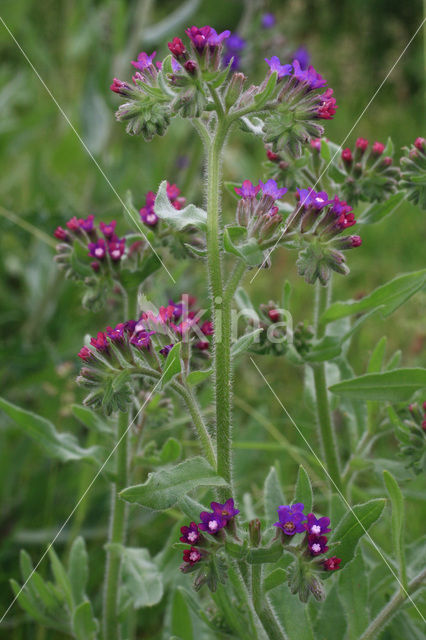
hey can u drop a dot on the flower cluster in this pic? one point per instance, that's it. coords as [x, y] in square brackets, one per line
[204, 547]
[302, 100]
[413, 178]
[256, 209]
[410, 430]
[369, 174]
[134, 345]
[147, 213]
[292, 520]
[319, 221]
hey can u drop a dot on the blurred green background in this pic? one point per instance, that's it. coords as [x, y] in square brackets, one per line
[77, 47]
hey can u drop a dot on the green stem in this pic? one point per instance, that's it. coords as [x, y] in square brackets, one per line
[386, 614]
[198, 421]
[117, 534]
[221, 306]
[234, 280]
[326, 429]
[262, 606]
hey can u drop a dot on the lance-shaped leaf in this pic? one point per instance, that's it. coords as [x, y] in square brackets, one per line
[164, 488]
[62, 446]
[273, 496]
[181, 617]
[398, 522]
[303, 490]
[244, 342]
[389, 297]
[78, 570]
[85, 625]
[142, 582]
[173, 364]
[274, 579]
[190, 216]
[354, 524]
[236, 241]
[353, 592]
[388, 386]
[376, 211]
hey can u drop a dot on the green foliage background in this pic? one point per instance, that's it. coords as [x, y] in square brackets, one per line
[47, 176]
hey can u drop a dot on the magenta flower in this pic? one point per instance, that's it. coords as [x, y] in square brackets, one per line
[120, 87]
[211, 522]
[332, 564]
[310, 198]
[61, 234]
[98, 249]
[225, 511]
[291, 519]
[316, 526]
[344, 214]
[73, 224]
[191, 555]
[117, 333]
[281, 69]
[148, 216]
[361, 144]
[328, 105]
[144, 60]
[87, 224]
[85, 354]
[108, 229]
[100, 342]
[116, 249]
[317, 544]
[271, 189]
[378, 148]
[191, 534]
[142, 339]
[176, 47]
[247, 190]
[308, 76]
[419, 143]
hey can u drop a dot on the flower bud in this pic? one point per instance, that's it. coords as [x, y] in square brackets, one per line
[234, 89]
[347, 156]
[255, 532]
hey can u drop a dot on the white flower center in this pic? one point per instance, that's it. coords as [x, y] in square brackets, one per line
[99, 252]
[115, 253]
[151, 217]
[212, 525]
[192, 536]
[315, 529]
[316, 548]
[193, 556]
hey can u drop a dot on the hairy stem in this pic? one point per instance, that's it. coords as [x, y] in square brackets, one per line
[117, 534]
[198, 421]
[325, 424]
[386, 614]
[262, 606]
[221, 306]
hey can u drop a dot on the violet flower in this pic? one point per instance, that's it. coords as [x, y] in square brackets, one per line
[281, 69]
[211, 522]
[291, 519]
[225, 511]
[191, 534]
[317, 544]
[316, 526]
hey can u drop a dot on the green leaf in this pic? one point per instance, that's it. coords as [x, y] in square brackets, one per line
[293, 614]
[331, 621]
[78, 570]
[398, 521]
[181, 618]
[132, 279]
[236, 241]
[28, 604]
[62, 446]
[244, 342]
[353, 526]
[389, 297]
[274, 579]
[389, 386]
[142, 582]
[170, 451]
[61, 577]
[375, 363]
[92, 420]
[262, 555]
[173, 364]
[376, 211]
[328, 348]
[262, 98]
[84, 623]
[272, 495]
[353, 591]
[197, 377]
[196, 607]
[190, 216]
[163, 488]
[303, 491]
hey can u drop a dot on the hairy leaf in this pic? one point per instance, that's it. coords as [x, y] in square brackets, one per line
[389, 386]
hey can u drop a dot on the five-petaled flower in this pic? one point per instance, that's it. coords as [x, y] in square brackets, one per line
[210, 522]
[317, 526]
[226, 511]
[191, 555]
[291, 519]
[317, 544]
[332, 564]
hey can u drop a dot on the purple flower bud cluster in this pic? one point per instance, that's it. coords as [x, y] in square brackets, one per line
[292, 520]
[211, 523]
[256, 209]
[370, 175]
[160, 331]
[206, 46]
[102, 243]
[147, 213]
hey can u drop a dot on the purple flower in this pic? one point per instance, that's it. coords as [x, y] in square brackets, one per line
[281, 69]
[225, 511]
[198, 36]
[85, 354]
[100, 342]
[142, 339]
[148, 216]
[268, 20]
[61, 234]
[308, 76]
[317, 544]
[316, 526]
[235, 43]
[108, 228]
[191, 555]
[234, 46]
[117, 333]
[247, 190]
[332, 564]
[116, 249]
[211, 522]
[291, 519]
[144, 60]
[165, 352]
[87, 224]
[176, 67]
[310, 198]
[120, 87]
[98, 249]
[327, 107]
[190, 534]
[216, 39]
[302, 55]
[271, 189]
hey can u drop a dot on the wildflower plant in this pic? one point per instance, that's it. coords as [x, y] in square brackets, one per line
[254, 564]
